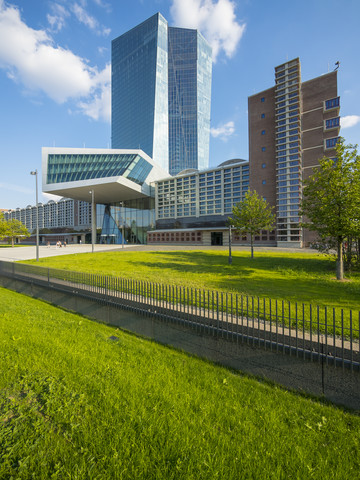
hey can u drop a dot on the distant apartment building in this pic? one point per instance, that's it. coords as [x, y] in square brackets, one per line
[291, 126]
[66, 213]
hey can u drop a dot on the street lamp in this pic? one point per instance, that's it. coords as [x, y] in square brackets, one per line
[230, 257]
[37, 214]
[93, 220]
[122, 225]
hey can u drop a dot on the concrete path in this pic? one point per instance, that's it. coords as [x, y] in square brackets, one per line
[17, 254]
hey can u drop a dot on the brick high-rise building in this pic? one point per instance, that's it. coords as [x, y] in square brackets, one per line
[291, 126]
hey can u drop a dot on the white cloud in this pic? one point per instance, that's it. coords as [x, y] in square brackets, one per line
[216, 20]
[58, 17]
[30, 58]
[88, 20]
[99, 106]
[223, 131]
[349, 121]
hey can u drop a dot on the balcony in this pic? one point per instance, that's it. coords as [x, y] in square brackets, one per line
[332, 104]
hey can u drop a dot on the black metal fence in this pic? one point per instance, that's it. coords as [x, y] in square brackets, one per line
[318, 333]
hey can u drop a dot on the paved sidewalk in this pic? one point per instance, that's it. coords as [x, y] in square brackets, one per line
[17, 254]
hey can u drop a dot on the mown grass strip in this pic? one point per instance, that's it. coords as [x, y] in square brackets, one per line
[75, 403]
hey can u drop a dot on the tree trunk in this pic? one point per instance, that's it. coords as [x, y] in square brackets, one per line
[252, 245]
[339, 261]
[12, 241]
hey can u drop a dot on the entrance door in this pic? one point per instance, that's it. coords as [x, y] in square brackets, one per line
[216, 238]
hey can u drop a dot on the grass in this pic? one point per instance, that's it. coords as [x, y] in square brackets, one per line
[76, 404]
[301, 277]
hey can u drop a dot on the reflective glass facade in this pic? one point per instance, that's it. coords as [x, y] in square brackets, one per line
[190, 69]
[140, 90]
[161, 92]
[133, 218]
[74, 167]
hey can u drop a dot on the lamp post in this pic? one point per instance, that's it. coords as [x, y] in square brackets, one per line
[37, 214]
[230, 257]
[122, 225]
[93, 220]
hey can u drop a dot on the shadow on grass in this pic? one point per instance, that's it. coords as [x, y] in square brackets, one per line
[296, 279]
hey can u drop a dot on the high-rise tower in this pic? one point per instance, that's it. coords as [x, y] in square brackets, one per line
[190, 68]
[139, 90]
[291, 126]
[161, 92]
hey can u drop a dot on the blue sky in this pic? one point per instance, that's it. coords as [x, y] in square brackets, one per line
[55, 69]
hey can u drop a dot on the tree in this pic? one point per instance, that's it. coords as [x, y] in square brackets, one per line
[14, 228]
[3, 225]
[252, 215]
[331, 200]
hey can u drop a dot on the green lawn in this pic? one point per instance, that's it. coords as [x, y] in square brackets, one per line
[75, 404]
[299, 278]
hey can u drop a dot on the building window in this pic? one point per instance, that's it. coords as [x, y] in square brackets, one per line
[263, 132]
[263, 165]
[262, 99]
[331, 142]
[263, 115]
[263, 149]
[332, 123]
[264, 182]
[332, 103]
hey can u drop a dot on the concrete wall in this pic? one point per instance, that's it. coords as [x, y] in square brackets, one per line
[340, 386]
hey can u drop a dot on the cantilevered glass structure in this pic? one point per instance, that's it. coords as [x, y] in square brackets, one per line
[190, 68]
[67, 167]
[114, 175]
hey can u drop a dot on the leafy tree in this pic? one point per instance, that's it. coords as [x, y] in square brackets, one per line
[14, 228]
[331, 200]
[3, 225]
[251, 215]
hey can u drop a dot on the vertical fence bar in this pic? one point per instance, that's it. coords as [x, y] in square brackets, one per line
[211, 310]
[311, 347]
[270, 314]
[217, 313]
[296, 330]
[342, 337]
[222, 315]
[264, 315]
[303, 329]
[334, 336]
[237, 318]
[253, 320]
[277, 325]
[283, 326]
[318, 331]
[247, 319]
[227, 315]
[242, 318]
[289, 333]
[258, 319]
[351, 342]
[326, 337]
[232, 316]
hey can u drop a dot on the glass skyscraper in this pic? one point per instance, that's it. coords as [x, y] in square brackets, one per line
[140, 90]
[161, 91]
[189, 99]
